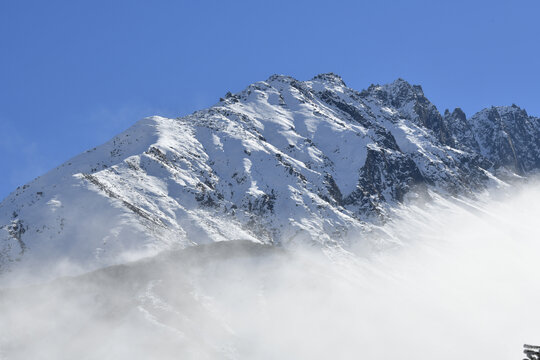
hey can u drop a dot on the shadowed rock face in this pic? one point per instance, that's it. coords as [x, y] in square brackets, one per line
[282, 161]
[462, 135]
[508, 137]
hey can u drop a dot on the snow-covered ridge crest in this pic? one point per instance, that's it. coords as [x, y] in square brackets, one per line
[282, 161]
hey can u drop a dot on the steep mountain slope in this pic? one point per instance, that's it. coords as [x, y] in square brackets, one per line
[281, 161]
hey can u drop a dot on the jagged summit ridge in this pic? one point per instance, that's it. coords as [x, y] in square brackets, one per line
[281, 161]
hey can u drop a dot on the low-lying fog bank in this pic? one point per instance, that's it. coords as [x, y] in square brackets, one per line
[463, 282]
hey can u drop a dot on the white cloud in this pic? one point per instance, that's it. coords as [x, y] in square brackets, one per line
[464, 285]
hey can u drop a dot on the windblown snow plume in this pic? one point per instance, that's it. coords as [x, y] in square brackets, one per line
[461, 282]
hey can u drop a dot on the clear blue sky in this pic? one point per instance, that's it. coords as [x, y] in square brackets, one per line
[75, 73]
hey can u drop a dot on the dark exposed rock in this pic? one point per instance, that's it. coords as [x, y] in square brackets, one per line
[508, 137]
[385, 177]
[330, 77]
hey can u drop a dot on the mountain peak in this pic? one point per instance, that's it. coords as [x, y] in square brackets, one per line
[457, 113]
[330, 77]
[280, 77]
[398, 90]
[401, 82]
[496, 111]
[401, 86]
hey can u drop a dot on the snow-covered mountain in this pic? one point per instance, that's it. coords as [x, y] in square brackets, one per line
[282, 161]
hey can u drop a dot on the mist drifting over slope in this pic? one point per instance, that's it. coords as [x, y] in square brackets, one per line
[461, 283]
